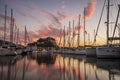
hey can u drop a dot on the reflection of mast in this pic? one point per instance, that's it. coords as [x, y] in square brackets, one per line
[69, 67]
[23, 76]
[15, 72]
[95, 73]
[85, 70]
[73, 70]
[109, 75]
[60, 69]
[25, 67]
[64, 68]
[1, 72]
[9, 70]
[79, 77]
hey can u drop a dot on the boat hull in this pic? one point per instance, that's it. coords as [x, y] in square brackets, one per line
[7, 52]
[108, 52]
[91, 51]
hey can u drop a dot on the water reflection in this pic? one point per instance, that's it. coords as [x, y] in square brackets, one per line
[58, 67]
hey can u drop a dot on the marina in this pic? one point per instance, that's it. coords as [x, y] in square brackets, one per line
[60, 44]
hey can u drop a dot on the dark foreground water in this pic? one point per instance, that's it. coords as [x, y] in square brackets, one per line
[58, 67]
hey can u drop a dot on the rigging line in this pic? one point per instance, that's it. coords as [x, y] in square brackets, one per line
[99, 22]
[116, 21]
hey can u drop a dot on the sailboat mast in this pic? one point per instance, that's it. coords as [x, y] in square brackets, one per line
[69, 34]
[119, 32]
[25, 36]
[60, 37]
[84, 26]
[79, 32]
[11, 26]
[116, 20]
[17, 35]
[64, 37]
[73, 34]
[108, 10]
[5, 23]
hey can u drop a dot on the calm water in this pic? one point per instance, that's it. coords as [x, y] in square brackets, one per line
[58, 67]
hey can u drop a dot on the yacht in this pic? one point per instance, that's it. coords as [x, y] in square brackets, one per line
[8, 48]
[110, 50]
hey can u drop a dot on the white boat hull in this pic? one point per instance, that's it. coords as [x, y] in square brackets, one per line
[7, 52]
[91, 51]
[108, 52]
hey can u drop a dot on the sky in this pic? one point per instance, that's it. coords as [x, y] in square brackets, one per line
[44, 18]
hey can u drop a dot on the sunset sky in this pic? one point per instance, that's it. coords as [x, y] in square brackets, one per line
[46, 17]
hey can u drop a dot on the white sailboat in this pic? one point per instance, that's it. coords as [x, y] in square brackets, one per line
[109, 51]
[79, 50]
[8, 49]
[91, 51]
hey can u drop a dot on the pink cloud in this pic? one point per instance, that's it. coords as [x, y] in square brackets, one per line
[90, 9]
[7, 17]
[63, 5]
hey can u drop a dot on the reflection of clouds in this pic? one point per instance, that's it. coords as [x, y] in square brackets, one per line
[65, 68]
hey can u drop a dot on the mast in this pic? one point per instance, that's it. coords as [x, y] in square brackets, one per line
[116, 20]
[108, 10]
[84, 26]
[17, 35]
[96, 32]
[79, 31]
[28, 37]
[60, 37]
[69, 35]
[25, 36]
[11, 26]
[119, 32]
[64, 37]
[5, 24]
[73, 34]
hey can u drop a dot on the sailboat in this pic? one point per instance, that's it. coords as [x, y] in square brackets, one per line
[81, 50]
[91, 51]
[110, 50]
[8, 49]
